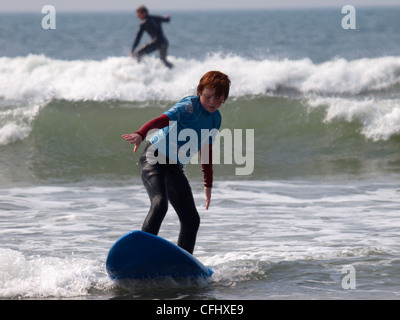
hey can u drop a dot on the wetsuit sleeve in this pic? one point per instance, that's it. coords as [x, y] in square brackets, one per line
[207, 169]
[137, 40]
[161, 19]
[156, 123]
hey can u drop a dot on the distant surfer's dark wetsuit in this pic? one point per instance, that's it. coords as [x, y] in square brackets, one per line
[152, 25]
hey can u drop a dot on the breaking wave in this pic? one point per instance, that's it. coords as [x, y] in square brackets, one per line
[38, 78]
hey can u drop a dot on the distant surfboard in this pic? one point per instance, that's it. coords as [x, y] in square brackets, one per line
[140, 254]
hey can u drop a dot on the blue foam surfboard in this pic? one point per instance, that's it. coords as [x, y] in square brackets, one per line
[140, 254]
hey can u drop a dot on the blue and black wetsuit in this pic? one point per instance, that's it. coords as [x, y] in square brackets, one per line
[152, 25]
[165, 180]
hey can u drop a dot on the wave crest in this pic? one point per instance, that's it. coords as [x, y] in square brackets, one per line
[38, 78]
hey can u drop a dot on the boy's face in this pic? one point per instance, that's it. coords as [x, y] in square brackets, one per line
[141, 14]
[209, 101]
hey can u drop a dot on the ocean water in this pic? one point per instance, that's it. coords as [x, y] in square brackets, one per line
[316, 218]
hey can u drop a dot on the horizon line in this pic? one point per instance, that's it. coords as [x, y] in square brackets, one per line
[255, 8]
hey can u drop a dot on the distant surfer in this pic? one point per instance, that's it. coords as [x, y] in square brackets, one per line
[166, 180]
[152, 25]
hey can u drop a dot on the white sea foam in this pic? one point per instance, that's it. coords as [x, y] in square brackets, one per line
[380, 118]
[16, 122]
[12, 132]
[37, 77]
[40, 277]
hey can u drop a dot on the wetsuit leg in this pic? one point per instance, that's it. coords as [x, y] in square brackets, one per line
[163, 54]
[155, 181]
[149, 47]
[153, 45]
[181, 197]
[165, 182]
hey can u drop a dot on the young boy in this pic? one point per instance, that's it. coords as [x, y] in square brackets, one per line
[165, 180]
[152, 25]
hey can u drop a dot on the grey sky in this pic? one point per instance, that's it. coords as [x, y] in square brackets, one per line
[165, 5]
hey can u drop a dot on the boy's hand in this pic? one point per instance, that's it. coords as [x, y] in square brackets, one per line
[207, 192]
[134, 138]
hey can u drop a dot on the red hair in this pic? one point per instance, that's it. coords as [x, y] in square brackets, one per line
[215, 80]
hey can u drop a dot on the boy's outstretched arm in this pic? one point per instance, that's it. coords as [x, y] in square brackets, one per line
[137, 137]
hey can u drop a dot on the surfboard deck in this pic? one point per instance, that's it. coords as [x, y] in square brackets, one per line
[139, 254]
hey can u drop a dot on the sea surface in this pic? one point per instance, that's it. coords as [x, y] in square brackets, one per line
[318, 216]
